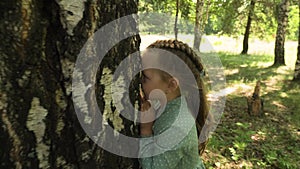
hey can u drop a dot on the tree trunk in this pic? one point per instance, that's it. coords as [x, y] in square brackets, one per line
[40, 41]
[198, 33]
[248, 26]
[280, 34]
[297, 66]
[200, 22]
[176, 20]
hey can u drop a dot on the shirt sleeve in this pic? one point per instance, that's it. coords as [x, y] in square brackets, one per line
[167, 160]
[158, 153]
[173, 138]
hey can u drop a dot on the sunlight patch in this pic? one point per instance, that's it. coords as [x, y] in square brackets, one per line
[231, 72]
[276, 103]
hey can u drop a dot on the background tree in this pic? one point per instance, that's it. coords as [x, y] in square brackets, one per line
[39, 46]
[176, 19]
[227, 16]
[158, 16]
[231, 17]
[223, 18]
[281, 32]
[199, 9]
[248, 26]
[200, 21]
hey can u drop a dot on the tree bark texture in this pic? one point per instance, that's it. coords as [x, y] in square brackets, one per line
[176, 19]
[281, 31]
[40, 41]
[198, 26]
[297, 66]
[248, 27]
[201, 21]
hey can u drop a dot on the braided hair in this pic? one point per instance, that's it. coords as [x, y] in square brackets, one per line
[191, 59]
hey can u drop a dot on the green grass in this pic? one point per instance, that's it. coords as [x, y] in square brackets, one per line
[268, 141]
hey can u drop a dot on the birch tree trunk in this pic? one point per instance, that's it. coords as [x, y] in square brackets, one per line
[201, 21]
[281, 31]
[40, 41]
[198, 33]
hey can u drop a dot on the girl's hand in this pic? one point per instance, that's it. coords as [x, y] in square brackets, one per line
[147, 117]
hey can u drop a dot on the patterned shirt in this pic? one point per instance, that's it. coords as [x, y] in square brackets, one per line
[174, 144]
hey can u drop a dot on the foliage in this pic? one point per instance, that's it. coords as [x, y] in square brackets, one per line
[227, 17]
[292, 31]
[157, 23]
[157, 16]
[230, 17]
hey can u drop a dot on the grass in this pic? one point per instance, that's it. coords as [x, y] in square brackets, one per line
[268, 141]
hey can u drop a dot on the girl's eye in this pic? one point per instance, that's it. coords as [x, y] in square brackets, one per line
[144, 78]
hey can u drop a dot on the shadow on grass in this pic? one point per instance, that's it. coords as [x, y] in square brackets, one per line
[268, 141]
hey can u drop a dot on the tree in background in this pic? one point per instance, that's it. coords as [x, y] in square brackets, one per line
[282, 20]
[40, 41]
[248, 26]
[231, 17]
[200, 21]
[176, 19]
[199, 9]
[158, 16]
[297, 66]
[226, 17]
[223, 18]
[155, 16]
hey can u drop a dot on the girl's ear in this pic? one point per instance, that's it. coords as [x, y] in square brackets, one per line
[173, 84]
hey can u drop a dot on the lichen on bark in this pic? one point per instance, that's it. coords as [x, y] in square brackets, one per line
[61, 163]
[71, 13]
[79, 90]
[36, 123]
[109, 114]
[24, 80]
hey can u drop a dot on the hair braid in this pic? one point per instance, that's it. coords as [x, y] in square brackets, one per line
[190, 57]
[183, 47]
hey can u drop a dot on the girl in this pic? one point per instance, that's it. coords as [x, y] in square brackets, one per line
[177, 106]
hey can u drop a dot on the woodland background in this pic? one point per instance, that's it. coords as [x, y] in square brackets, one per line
[40, 41]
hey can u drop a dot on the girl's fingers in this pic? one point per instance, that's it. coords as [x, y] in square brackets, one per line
[147, 116]
[145, 105]
[142, 96]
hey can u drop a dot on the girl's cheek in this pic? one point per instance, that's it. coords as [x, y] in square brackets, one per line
[144, 86]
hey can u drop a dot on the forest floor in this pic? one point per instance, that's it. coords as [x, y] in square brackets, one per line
[271, 140]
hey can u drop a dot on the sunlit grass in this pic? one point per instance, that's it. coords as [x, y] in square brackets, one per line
[268, 141]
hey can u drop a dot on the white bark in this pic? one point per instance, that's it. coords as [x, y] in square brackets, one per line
[36, 123]
[71, 13]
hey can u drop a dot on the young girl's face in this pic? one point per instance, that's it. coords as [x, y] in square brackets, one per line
[152, 79]
[157, 79]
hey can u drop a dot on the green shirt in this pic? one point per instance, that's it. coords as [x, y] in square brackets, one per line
[174, 144]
